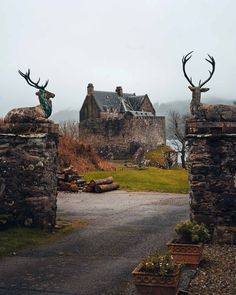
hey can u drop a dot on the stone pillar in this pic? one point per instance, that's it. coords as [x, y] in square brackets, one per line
[28, 182]
[212, 172]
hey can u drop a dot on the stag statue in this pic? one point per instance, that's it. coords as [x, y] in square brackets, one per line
[203, 111]
[39, 113]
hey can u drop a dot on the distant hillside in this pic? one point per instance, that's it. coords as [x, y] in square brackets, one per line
[162, 109]
[65, 115]
[182, 106]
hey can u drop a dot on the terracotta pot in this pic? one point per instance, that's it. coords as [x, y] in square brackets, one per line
[186, 253]
[154, 284]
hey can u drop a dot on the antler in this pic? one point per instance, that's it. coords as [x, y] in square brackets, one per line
[184, 61]
[213, 63]
[26, 76]
[210, 60]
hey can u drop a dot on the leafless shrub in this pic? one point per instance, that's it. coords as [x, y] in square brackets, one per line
[69, 129]
[176, 133]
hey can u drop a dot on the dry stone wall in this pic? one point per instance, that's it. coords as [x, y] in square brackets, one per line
[120, 138]
[212, 172]
[28, 183]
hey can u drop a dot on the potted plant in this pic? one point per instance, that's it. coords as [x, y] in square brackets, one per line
[188, 247]
[157, 274]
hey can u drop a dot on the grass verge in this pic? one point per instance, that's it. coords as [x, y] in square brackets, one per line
[17, 238]
[150, 179]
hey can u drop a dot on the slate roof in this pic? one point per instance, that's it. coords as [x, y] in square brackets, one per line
[112, 101]
[140, 114]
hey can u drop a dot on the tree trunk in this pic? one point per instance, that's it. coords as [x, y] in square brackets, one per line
[95, 182]
[182, 152]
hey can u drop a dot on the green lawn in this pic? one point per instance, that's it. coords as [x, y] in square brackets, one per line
[150, 179]
[16, 238]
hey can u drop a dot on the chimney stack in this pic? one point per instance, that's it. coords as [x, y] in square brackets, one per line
[119, 91]
[90, 89]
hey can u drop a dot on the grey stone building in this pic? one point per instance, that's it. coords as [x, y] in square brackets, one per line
[118, 123]
[105, 104]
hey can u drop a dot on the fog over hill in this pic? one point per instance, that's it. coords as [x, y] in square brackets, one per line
[182, 106]
[65, 116]
[162, 109]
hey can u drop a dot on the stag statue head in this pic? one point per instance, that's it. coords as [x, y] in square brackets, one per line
[36, 85]
[196, 90]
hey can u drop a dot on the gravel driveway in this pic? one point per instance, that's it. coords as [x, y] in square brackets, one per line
[98, 259]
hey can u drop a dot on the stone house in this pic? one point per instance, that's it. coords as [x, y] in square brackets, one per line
[118, 123]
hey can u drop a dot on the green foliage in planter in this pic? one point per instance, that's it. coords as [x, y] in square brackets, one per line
[161, 265]
[192, 232]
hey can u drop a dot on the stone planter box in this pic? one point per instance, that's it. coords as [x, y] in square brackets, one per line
[153, 284]
[186, 253]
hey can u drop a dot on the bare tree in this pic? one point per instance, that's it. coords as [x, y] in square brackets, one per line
[176, 133]
[69, 128]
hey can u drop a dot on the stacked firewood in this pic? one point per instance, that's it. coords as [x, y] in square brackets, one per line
[101, 185]
[69, 180]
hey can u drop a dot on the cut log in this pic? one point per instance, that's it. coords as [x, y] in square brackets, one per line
[95, 182]
[100, 188]
[90, 187]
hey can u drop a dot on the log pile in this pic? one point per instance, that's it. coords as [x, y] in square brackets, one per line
[68, 180]
[102, 185]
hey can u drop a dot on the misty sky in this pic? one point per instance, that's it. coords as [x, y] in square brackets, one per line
[137, 44]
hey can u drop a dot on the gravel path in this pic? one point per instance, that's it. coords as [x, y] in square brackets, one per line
[217, 272]
[98, 259]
